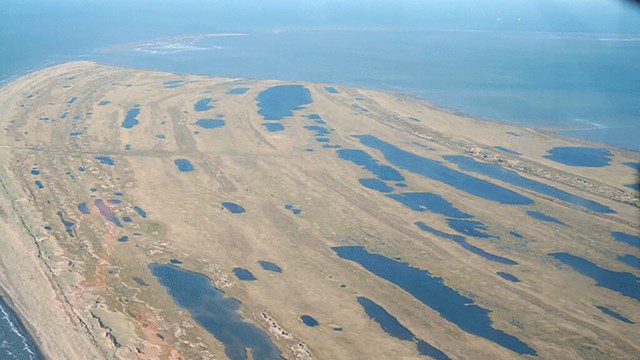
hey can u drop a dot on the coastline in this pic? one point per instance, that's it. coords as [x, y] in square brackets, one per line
[7, 305]
[439, 124]
[550, 131]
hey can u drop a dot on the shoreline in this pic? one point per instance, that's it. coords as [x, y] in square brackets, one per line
[8, 305]
[113, 327]
[550, 131]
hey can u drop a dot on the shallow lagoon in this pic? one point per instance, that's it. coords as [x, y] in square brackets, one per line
[269, 266]
[632, 240]
[367, 162]
[470, 228]
[184, 165]
[437, 171]
[424, 201]
[105, 160]
[393, 327]
[210, 123]
[511, 177]
[216, 313]
[614, 314]
[464, 244]
[309, 320]
[233, 207]
[238, 91]
[580, 156]
[203, 105]
[273, 127]
[431, 291]
[630, 260]
[543, 217]
[243, 274]
[106, 212]
[280, 101]
[376, 184]
[622, 282]
[130, 119]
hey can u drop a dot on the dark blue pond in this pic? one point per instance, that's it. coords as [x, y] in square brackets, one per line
[35, 172]
[633, 165]
[123, 239]
[614, 314]
[273, 127]
[172, 84]
[210, 123]
[309, 321]
[542, 217]
[424, 201]
[130, 119]
[318, 130]
[293, 209]
[243, 274]
[437, 171]
[393, 327]
[626, 238]
[140, 212]
[104, 102]
[511, 177]
[630, 260]
[76, 133]
[633, 186]
[464, 244]
[105, 160]
[470, 228]
[83, 208]
[322, 139]
[432, 292]
[376, 184]
[278, 102]
[238, 91]
[515, 235]
[126, 219]
[114, 201]
[507, 150]
[269, 266]
[623, 282]
[580, 156]
[175, 261]
[68, 225]
[203, 105]
[361, 158]
[508, 276]
[330, 90]
[218, 314]
[184, 165]
[233, 208]
[39, 184]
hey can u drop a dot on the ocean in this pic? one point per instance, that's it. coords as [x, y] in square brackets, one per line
[565, 65]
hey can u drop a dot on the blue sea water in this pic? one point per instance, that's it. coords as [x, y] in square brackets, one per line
[15, 343]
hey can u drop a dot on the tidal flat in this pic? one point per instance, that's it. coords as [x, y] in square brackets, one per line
[289, 203]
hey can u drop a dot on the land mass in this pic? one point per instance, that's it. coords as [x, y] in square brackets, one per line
[152, 215]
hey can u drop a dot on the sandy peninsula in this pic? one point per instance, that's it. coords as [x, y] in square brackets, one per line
[106, 171]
